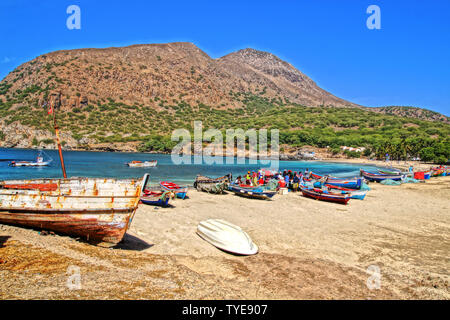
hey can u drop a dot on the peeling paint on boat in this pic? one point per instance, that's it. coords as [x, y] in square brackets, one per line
[97, 209]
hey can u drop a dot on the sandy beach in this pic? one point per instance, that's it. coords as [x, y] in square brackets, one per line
[308, 250]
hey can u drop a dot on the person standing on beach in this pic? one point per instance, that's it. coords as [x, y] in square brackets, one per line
[295, 181]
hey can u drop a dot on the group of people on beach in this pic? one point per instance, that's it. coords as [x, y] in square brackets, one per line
[286, 179]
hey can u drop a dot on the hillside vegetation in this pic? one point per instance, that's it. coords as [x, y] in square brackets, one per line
[116, 122]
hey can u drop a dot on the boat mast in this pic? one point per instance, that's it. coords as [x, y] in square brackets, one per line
[57, 141]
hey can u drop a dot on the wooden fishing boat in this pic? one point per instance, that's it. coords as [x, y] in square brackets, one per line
[142, 164]
[390, 172]
[156, 197]
[354, 193]
[180, 192]
[320, 194]
[212, 185]
[381, 177]
[354, 183]
[252, 192]
[99, 210]
[438, 171]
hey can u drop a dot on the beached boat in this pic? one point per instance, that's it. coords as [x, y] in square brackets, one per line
[354, 193]
[180, 192]
[156, 197]
[226, 236]
[354, 183]
[99, 210]
[38, 163]
[381, 177]
[390, 171]
[142, 164]
[252, 192]
[212, 185]
[438, 171]
[320, 194]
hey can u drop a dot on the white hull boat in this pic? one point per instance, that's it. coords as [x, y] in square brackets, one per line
[226, 236]
[142, 164]
[39, 162]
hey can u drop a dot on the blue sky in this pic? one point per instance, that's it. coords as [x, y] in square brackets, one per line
[406, 62]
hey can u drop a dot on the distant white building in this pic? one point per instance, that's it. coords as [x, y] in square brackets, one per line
[345, 148]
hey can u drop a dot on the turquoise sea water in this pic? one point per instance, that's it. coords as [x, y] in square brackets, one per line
[112, 164]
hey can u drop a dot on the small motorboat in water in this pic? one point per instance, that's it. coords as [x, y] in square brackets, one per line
[142, 164]
[38, 163]
[226, 236]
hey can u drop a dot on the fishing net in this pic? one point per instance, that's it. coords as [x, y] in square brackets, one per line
[390, 182]
[412, 180]
[364, 186]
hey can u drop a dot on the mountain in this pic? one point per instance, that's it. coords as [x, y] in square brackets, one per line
[115, 98]
[140, 73]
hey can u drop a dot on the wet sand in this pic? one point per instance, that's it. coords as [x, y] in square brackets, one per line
[308, 250]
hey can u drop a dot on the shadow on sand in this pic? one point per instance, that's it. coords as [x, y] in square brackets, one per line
[3, 240]
[130, 242]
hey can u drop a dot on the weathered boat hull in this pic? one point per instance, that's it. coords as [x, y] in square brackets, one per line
[99, 227]
[211, 185]
[97, 210]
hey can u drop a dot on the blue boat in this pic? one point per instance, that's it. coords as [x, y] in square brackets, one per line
[354, 183]
[381, 177]
[156, 198]
[251, 192]
[354, 193]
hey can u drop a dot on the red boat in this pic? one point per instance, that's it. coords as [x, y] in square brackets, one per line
[180, 192]
[325, 196]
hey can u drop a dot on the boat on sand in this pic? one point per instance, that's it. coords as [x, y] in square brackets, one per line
[99, 210]
[320, 194]
[212, 185]
[252, 192]
[180, 192]
[226, 236]
[156, 196]
[381, 177]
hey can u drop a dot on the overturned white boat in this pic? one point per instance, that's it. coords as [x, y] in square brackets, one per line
[226, 236]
